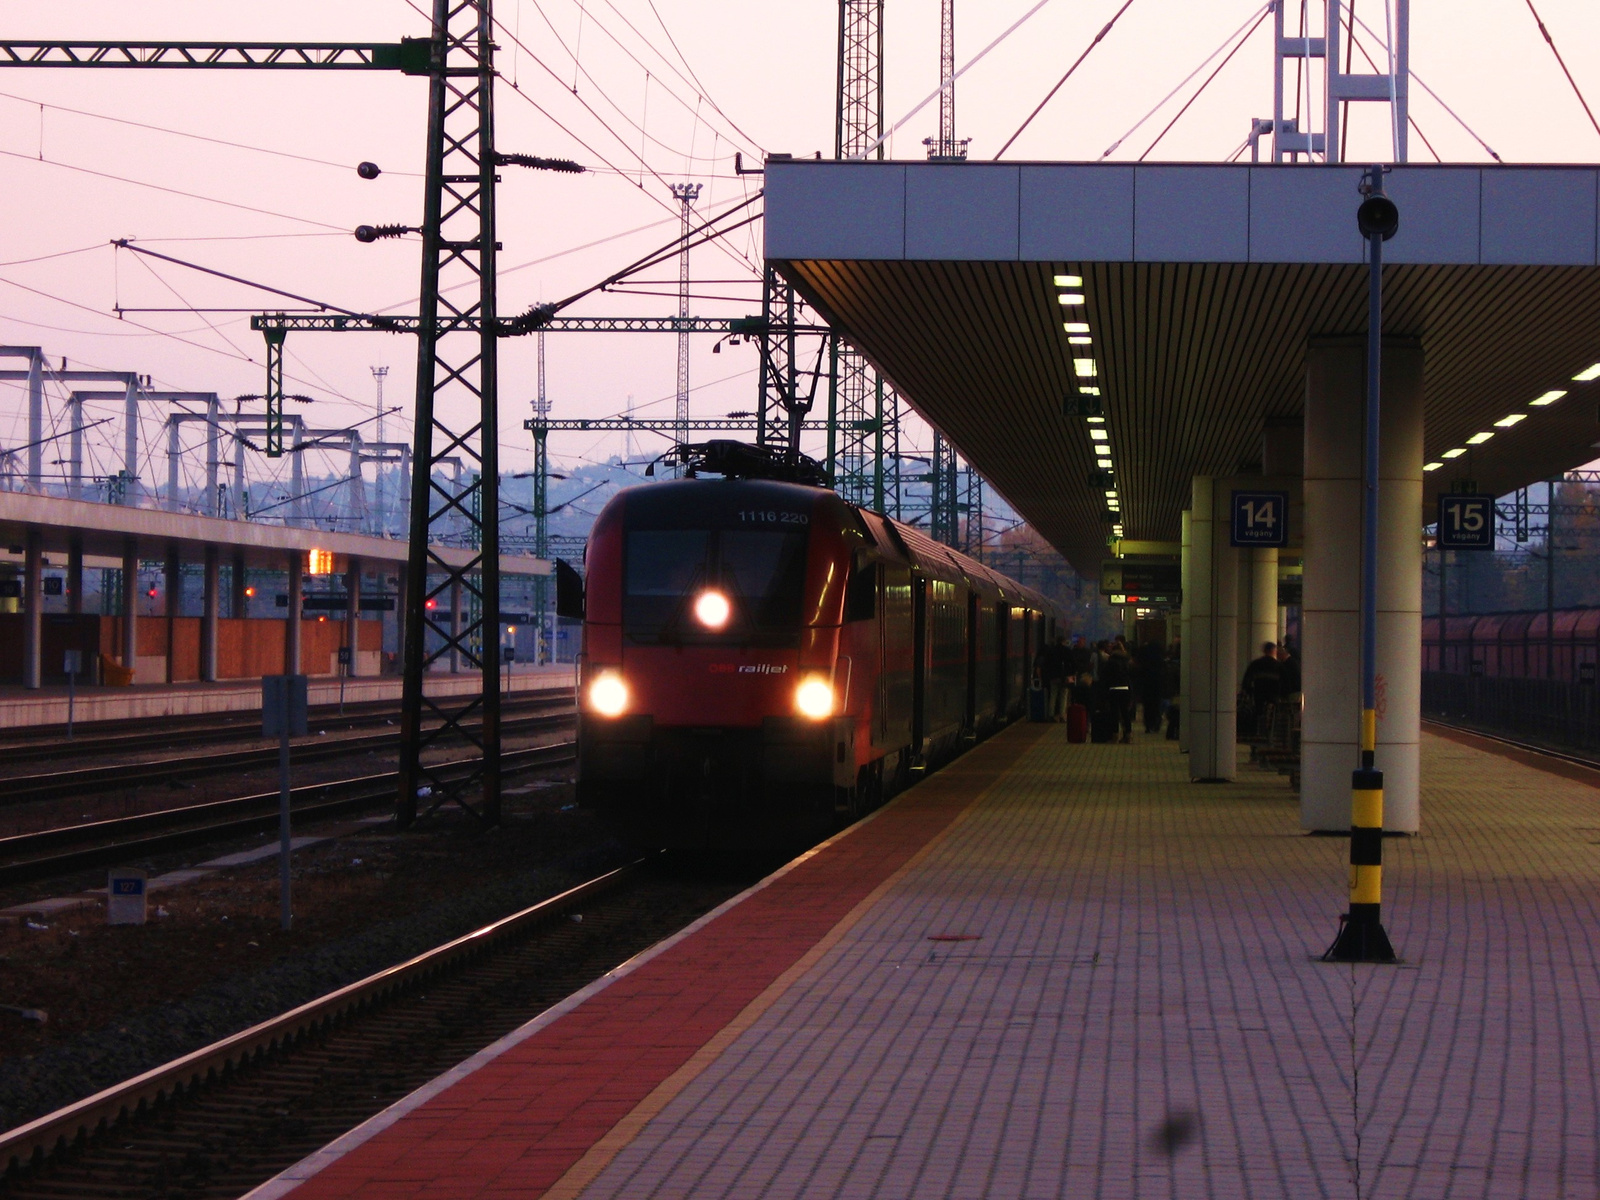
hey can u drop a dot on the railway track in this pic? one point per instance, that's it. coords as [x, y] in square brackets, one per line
[222, 1119]
[51, 853]
[81, 781]
[138, 736]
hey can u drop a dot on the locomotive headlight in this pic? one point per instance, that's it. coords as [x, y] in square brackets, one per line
[712, 609]
[608, 695]
[814, 697]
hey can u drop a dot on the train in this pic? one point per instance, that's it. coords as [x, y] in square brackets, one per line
[763, 663]
[1515, 644]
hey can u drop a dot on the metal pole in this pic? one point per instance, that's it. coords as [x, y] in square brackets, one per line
[285, 911]
[1361, 935]
[1550, 580]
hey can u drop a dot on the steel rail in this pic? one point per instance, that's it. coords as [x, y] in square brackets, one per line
[93, 737]
[31, 1144]
[25, 789]
[133, 836]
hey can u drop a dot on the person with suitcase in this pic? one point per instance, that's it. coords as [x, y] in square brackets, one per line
[1081, 699]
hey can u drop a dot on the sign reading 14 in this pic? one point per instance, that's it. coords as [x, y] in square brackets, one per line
[1260, 519]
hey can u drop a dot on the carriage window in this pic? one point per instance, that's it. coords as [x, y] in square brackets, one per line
[861, 599]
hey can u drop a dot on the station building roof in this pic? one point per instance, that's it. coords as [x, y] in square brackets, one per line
[105, 528]
[1201, 286]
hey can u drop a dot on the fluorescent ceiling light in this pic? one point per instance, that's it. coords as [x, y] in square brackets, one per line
[1069, 280]
[1096, 420]
[1479, 439]
[1089, 391]
[1099, 435]
[1075, 326]
[1588, 374]
[1080, 340]
[1111, 495]
[1456, 453]
[1084, 367]
[1432, 466]
[1070, 298]
[1547, 398]
[1508, 422]
[1103, 463]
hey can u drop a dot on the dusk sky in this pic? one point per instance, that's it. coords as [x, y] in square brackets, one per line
[757, 77]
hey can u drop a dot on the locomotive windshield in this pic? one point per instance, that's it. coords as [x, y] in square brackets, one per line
[761, 571]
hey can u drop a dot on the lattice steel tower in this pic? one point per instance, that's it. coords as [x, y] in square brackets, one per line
[685, 194]
[856, 424]
[457, 416]
[947, 147]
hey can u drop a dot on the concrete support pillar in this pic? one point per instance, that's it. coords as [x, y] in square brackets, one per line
[75, 448]
[1330, 617]
[210, 608]
[352, 611]
[174, 451]
[238, 580]
[213, 451]
[36, 424]
[455, 628]
[1263, 609]
[292, 632]
[33, 609]
[130, 442]
[75, 576]
[1212, 608]
[1243, 651]
[1185, 571]
[130, 607]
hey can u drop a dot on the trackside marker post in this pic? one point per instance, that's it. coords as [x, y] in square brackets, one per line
[1361, 935]
[283, 715]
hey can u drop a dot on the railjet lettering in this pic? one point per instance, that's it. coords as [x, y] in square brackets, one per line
[749, 669]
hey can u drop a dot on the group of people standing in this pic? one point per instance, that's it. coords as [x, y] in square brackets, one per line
[1111, 681]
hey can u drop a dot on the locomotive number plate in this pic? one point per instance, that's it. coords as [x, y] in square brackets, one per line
[769, 516]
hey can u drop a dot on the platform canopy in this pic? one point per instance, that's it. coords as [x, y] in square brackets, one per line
[104, 530]
[1201, 286]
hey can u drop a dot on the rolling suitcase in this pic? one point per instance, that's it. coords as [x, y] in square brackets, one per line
[1077, 723]
[1038, 704]
[1103, 725]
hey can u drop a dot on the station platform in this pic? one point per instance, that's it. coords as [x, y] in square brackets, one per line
[1064, 970]
[25, 707]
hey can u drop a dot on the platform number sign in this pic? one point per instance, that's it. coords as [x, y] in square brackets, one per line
[1466, 522]
[1260, 519]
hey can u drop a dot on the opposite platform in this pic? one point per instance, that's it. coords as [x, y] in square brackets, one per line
[1021, 976]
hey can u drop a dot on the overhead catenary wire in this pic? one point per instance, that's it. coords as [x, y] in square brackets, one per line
[872, 147]
[198, 137]
[1437, 99]
[1060, 83]
[156, 187]
[1237, 46]
[1410, 120]
[1551, 42]
[1139, 124]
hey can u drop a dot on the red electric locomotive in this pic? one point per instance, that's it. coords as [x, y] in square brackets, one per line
[763, 661]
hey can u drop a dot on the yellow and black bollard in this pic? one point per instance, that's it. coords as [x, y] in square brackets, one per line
[1361, 936]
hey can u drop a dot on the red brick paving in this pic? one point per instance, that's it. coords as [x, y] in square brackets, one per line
[515, 1126]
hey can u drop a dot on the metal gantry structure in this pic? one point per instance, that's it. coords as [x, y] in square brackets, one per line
[456, 384]
[861, 418]
[947, 147]
[685, 194]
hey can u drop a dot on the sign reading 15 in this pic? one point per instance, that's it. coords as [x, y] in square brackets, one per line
[1466, 522]
[1260, 519]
